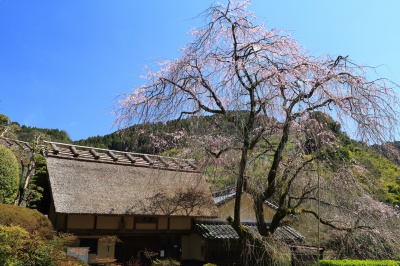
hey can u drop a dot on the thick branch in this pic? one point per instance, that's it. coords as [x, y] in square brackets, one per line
[330, 224]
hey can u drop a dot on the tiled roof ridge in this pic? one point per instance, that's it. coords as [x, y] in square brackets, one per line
[225, 221]
[229, 193]
[93, 154]
[221, 229]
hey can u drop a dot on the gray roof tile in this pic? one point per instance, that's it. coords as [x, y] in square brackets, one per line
[221, 229]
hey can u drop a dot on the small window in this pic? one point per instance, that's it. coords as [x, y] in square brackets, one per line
[91, 243]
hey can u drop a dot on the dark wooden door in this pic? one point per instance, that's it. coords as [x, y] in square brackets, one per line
[133, 248]
[171, 244]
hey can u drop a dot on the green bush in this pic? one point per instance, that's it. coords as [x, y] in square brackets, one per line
[359, 263]
[18, 247]
[30, 220]
[4, 120]
[27, 238]
[9, 176]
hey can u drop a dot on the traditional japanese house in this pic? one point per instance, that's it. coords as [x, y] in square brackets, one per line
[148, 202]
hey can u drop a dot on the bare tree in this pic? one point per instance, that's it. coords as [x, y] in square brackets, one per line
[234, 64]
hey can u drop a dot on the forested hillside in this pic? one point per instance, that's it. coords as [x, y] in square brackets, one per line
[150, 138]
[14, 130]
[383, 178]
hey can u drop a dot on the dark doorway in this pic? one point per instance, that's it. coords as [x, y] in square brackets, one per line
[132, 248]
[171, 244]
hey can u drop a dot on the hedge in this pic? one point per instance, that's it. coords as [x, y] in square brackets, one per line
[359, 263]
[9, 176]
[28, 219]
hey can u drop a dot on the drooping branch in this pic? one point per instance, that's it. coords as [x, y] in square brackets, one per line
[332, 225]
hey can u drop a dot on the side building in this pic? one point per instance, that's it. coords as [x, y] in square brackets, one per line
[223, 246]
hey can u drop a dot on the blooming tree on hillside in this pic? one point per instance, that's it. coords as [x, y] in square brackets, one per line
[234, 64]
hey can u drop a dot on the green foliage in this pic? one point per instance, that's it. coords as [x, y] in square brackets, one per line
[4, 120]
[170, 153]
[152, 256]
[6, 127]
[9, 176]
[26, 133]
[358, 263]
[138, 138]
[135, 138]
[27, 238]
[28, 219]
[34, 193]
[381, 176]
[166, 262]
[18, 247]
[384, 172]
[13, 241]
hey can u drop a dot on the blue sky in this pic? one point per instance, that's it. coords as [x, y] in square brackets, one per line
[63, 63]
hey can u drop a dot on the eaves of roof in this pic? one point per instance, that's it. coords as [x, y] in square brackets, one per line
[221, 229]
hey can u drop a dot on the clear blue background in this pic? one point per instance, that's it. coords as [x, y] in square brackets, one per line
[63, 63]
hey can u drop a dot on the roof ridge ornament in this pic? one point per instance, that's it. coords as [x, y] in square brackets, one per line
[101, 155]
[130, 157]
[94, 153]
[112, 155]
[74, 151]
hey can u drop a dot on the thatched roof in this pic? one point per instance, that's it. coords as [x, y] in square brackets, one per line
[85, 180]
[11, 143]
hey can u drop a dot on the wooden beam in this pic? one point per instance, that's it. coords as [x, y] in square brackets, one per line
[112, 155]
[177, 163]
[19, 144]
[130, 157]
[163, 161]
[74, 151]
[9, 142]
[56, 150]
[147, 159]
[29, 146]
[191, 165]
[94, 153]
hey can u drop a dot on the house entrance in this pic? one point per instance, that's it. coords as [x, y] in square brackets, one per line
[133, 247]
[171, 245]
